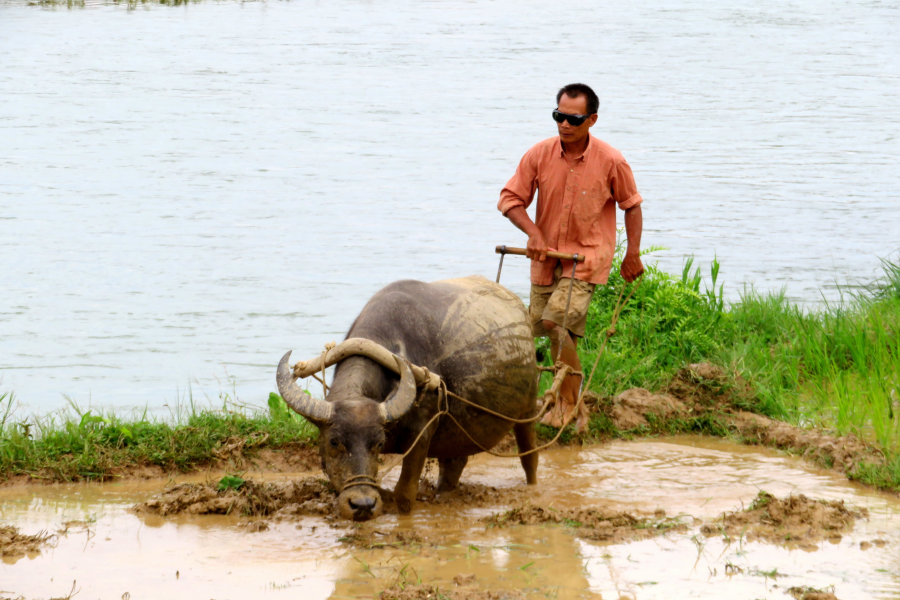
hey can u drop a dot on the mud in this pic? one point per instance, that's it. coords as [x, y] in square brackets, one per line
[808, 593]
[13, 543]
[307, 496]
[795, 520]
[557, 544]
[592, 523]
[703, 390]
[373, 538]
[464, 587]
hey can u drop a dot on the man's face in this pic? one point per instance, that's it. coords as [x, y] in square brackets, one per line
[574, 106]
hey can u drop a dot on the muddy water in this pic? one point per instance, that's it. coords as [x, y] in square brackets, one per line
[212, 557]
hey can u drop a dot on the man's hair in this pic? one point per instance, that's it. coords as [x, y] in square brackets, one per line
[573, 90]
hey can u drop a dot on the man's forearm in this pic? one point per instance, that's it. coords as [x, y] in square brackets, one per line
[536, 247]
[634, 226]
[519, 217]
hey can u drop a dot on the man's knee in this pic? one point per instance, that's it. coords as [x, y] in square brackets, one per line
[550, 327]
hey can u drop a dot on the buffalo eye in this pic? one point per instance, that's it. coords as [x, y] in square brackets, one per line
[335, 443]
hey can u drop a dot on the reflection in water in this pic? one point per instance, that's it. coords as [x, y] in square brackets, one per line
[692, 477]
[165, 221]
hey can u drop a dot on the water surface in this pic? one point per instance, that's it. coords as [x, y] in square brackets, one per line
[187, 192]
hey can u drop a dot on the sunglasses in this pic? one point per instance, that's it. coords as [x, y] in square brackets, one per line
[574, 120]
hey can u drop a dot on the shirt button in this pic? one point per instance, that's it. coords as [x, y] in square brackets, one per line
[571, 170]
[568, 188]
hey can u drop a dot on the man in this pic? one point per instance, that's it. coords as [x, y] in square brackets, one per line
[576, 177]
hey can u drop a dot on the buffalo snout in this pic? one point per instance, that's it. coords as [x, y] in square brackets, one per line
[360, 503]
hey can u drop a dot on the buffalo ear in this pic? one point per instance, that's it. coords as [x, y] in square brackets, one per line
[402, 399]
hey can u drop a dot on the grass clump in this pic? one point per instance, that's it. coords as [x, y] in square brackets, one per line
[74, 445]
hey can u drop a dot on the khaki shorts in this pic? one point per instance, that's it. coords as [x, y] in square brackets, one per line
[548, 303]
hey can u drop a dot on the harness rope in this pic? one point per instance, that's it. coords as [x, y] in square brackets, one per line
[552, 397]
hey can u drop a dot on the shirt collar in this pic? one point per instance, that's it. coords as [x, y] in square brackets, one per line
[587, 150]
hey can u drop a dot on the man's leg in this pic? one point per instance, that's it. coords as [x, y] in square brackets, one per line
[571, 386]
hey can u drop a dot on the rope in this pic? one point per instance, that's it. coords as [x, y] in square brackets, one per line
[442, 392]
[365, 480]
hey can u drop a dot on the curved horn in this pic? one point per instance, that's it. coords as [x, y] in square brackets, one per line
[399, 403]
[301, 402]
[369, 349]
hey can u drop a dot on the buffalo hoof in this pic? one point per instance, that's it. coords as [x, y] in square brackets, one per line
[404, 505]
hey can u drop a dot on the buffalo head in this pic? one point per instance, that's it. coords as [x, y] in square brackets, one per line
[351, 436]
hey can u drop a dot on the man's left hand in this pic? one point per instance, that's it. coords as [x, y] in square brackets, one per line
[632, 268]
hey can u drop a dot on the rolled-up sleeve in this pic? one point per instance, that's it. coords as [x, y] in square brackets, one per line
[624, 189]
[519, 190]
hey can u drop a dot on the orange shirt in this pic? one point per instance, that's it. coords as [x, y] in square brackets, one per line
[574, 211]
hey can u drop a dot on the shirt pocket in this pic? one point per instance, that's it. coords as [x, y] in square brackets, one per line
[588, 207]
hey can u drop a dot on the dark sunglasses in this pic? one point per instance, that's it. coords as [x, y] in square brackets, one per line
[574, 120]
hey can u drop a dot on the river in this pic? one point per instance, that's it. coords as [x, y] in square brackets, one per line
[187, 192]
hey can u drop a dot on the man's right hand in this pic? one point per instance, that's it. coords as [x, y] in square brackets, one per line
[537, 247]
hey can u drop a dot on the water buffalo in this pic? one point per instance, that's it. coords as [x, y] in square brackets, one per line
[474, 334]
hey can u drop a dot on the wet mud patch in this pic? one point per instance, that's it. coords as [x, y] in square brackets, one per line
[308, 496]
[14, 544]
[809, 593]
[463, 587]
[597, 524]
[793, 520]
[473, 495]
[372, 538]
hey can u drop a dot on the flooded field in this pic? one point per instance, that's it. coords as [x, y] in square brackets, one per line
[113, 551]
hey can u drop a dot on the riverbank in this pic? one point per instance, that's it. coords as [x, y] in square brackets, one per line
[832, 372]
[835, 369]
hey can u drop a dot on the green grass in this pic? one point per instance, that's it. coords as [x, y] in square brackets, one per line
[73, 445]
[836, 367]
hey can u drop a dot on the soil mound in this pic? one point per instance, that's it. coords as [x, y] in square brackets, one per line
[308, 496]
[13, 543]
[631, 408]
[795, 519]
[592, 523]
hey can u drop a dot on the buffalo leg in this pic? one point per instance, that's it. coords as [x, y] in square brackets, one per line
[450, 471]
[408, 483]
[526, 440]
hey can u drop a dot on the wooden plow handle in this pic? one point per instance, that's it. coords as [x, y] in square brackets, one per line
[550, 253]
